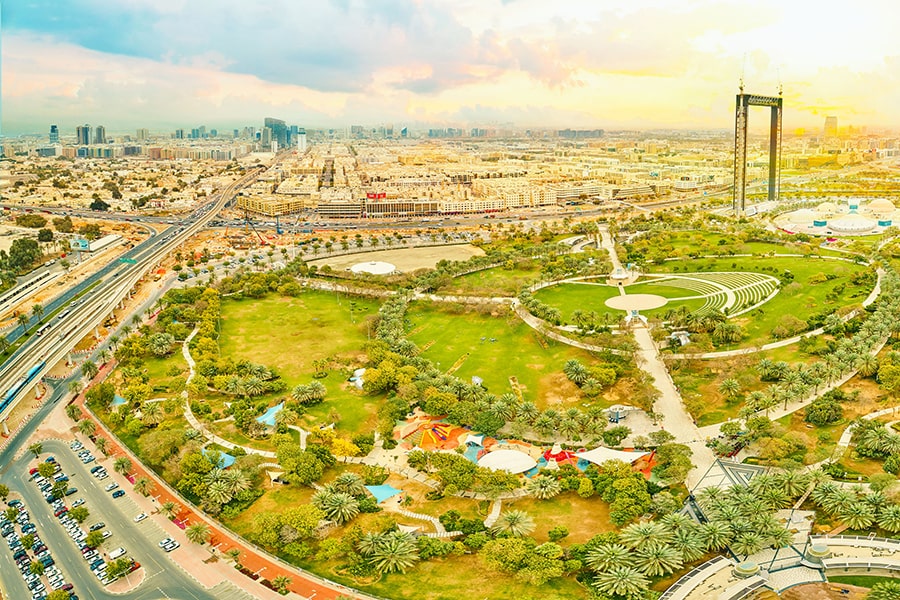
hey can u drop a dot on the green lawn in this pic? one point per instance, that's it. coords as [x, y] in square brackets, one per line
[666, 289]
[586, 297]
[866, 581]
[493, 282]
[447, 338]
[288, 334]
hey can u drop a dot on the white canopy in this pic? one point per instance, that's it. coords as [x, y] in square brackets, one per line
[600, 455]
[511, 461]
[472, 438]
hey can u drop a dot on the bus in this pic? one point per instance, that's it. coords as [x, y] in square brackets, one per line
[44, 328]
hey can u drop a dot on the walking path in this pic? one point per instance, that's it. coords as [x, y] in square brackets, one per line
[675, 418]
[494, 514]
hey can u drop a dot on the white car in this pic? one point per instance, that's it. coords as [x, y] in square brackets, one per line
[78, 503]
[140, 517]
[165, 542]
[111, 487]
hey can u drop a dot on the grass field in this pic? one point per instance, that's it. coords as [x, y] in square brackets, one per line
[517, 352]
[493, 282]
[801, 299]
[866, 581]
[569, 297]
[288, 334]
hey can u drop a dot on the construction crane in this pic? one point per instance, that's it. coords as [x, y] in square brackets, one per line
[248, 225]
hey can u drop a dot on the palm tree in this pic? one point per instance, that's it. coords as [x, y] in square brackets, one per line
[730, 388]
[89, 369]
[167, 508]
[198, 533]
[122, 465]
[234, 554]
[281, 583]
[715, 535]
[396, 552]
[622, 581]
[102, 445]
[38, 311]
[236, 480]
[36, 449]
[884, 590]
[793, 482]
[515, 523]
[780, 538]
[350, 483]
[337, 506]
[87, 427]
[543, 487]
[75, 387]
[217, 493]
[103, 356]
[747, 544]
[606, 557]
[144, 486]
[889, 518]
[151, 413]
[688, 543]
[657, 560]
[73, 411]
[858, 515]
[22, 319]
[645, 534]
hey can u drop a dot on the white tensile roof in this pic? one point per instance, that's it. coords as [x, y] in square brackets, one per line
[601, 454]
[511, 461]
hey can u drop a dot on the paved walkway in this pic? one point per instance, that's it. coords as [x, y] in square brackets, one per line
[675, 418]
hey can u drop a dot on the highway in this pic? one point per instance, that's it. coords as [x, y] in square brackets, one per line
[162, 577]
[110, 285]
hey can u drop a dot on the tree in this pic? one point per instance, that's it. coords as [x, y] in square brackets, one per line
[337, 506]
[889, 518]
[36, 449]
[37, 311]
[858, 516]
[122, 465]
[58, 595]
[645, 534]
[622, 581]
[73, 411]
[884, 590]
[45, 236]
[152, 413]
[169, 509]
[198, 533]
[45, 470]
[824, 411]
[89, 369]
[515, 523]
[36, 568]
[79, 513]
[87, 427]
[99, 205]
[281, 583]
[730, 388]
[657, 561]
[606, 557]
[144, 486]
[94, 539]
[543, 487]
[395, 552]
[102, 445]
[4, 491]
[75, 388]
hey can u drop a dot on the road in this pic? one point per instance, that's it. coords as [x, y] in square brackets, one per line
[112, 283]
[163, 578]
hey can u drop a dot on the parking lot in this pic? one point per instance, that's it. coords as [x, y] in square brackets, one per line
[158, 574]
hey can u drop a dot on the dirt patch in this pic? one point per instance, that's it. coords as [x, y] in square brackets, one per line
[824, 591]
[404, 259]
[557, 390]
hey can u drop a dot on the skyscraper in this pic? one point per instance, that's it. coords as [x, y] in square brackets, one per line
[301, 141]
[179, 134]
[279, 130]
[54, 134]
[100, 135]
[831, 127]
[83, 135]
[143, 134]
[266, 138]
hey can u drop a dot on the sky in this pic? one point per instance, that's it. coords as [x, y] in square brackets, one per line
[608, 64]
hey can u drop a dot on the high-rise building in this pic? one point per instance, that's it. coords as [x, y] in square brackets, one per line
[179, 134]
[54, 134]
[202, 130]
[100, 135]
[236, 134]
[83, 135]
[301, 141]
[143, 134]
[266, 138]
[195, 133]
[831, 127]
[278, 129]
[213, 133]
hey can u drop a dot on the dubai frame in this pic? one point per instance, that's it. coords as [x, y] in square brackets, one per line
[741, 113]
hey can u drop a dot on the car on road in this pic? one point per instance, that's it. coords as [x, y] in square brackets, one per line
[118, 494]
[140, 517]
[111, 487]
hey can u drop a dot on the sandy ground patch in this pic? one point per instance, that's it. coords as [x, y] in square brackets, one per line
[824, 591]
[405, 259]
[631, 302]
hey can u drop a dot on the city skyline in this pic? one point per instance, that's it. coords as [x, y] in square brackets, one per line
[644, 65]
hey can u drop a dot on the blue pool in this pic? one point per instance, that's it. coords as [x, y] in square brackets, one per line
[268, 417]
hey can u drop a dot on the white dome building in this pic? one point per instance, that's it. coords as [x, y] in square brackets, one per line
[881, 206]
[827, 208]
[804, 216]
[852, 223]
